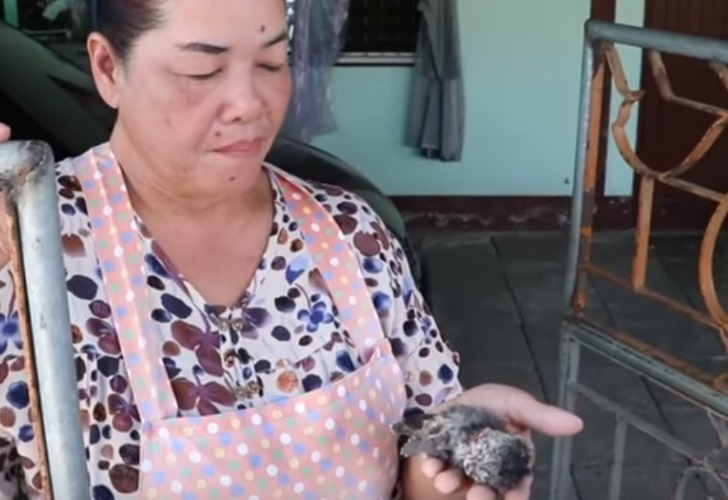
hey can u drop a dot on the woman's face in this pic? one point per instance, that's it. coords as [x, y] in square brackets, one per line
[202, 97]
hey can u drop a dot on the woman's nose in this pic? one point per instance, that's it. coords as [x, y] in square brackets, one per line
[244, 102]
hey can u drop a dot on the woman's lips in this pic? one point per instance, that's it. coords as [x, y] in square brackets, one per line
[242, 148]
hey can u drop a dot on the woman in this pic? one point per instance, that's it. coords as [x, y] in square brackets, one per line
[280, 315]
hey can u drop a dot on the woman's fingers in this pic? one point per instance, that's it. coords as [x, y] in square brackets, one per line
[480, 493]
[4, 244]
[450, 481]
[523, 411]
[431, 467]
[4, 132]
[522, 492]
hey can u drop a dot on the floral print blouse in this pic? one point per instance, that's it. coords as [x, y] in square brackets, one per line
[283, 338]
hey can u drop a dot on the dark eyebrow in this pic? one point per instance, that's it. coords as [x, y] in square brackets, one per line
[280, 37]
[208, 48]
[205, 48]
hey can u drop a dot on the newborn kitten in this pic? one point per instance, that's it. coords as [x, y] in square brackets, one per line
[470, 439]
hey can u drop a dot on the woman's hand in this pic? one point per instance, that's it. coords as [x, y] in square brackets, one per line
[4, 244]
[522, 413]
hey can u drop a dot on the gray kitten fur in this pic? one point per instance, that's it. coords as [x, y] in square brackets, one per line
[470, 439]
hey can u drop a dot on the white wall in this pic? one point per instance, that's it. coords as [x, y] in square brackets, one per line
[522, 61]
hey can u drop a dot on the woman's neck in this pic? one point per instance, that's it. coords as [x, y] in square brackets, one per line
[159, 204]
[159, 208]
[213, 237]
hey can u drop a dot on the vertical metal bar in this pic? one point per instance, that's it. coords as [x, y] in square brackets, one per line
[568, 375]
[582, 145]
[642, 235]
[589, 202]
[28, 174]
[569, 348]
[615, 480]
[21, 304]
[720, 426]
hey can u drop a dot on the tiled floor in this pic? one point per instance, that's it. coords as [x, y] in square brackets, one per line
[499, 298]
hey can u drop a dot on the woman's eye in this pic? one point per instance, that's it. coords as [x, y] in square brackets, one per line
[273, 68]
[204, 76]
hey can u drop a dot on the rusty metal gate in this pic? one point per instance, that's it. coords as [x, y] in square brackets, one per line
[579, 330]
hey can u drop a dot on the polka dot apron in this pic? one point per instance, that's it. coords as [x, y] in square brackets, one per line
[334, 442]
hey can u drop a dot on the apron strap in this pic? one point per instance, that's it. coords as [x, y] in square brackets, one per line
[336, 260]
[122, 267]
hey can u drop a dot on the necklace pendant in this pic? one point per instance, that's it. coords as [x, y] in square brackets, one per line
[247, 390]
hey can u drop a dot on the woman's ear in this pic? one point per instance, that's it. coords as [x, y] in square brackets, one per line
[105, 68]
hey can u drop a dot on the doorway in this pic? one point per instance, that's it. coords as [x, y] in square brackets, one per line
[668, 132]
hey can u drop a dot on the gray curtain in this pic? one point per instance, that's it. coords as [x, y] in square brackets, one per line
[437, 114]
[318, 35]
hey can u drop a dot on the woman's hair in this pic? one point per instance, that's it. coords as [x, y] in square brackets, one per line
[122, 22]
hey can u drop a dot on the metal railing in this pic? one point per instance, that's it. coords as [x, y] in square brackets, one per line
[28, 183]
[578, 329]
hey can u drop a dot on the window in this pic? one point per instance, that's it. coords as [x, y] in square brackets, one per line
[381, 32]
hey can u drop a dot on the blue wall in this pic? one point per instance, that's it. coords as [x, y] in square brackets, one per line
[522, 61]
